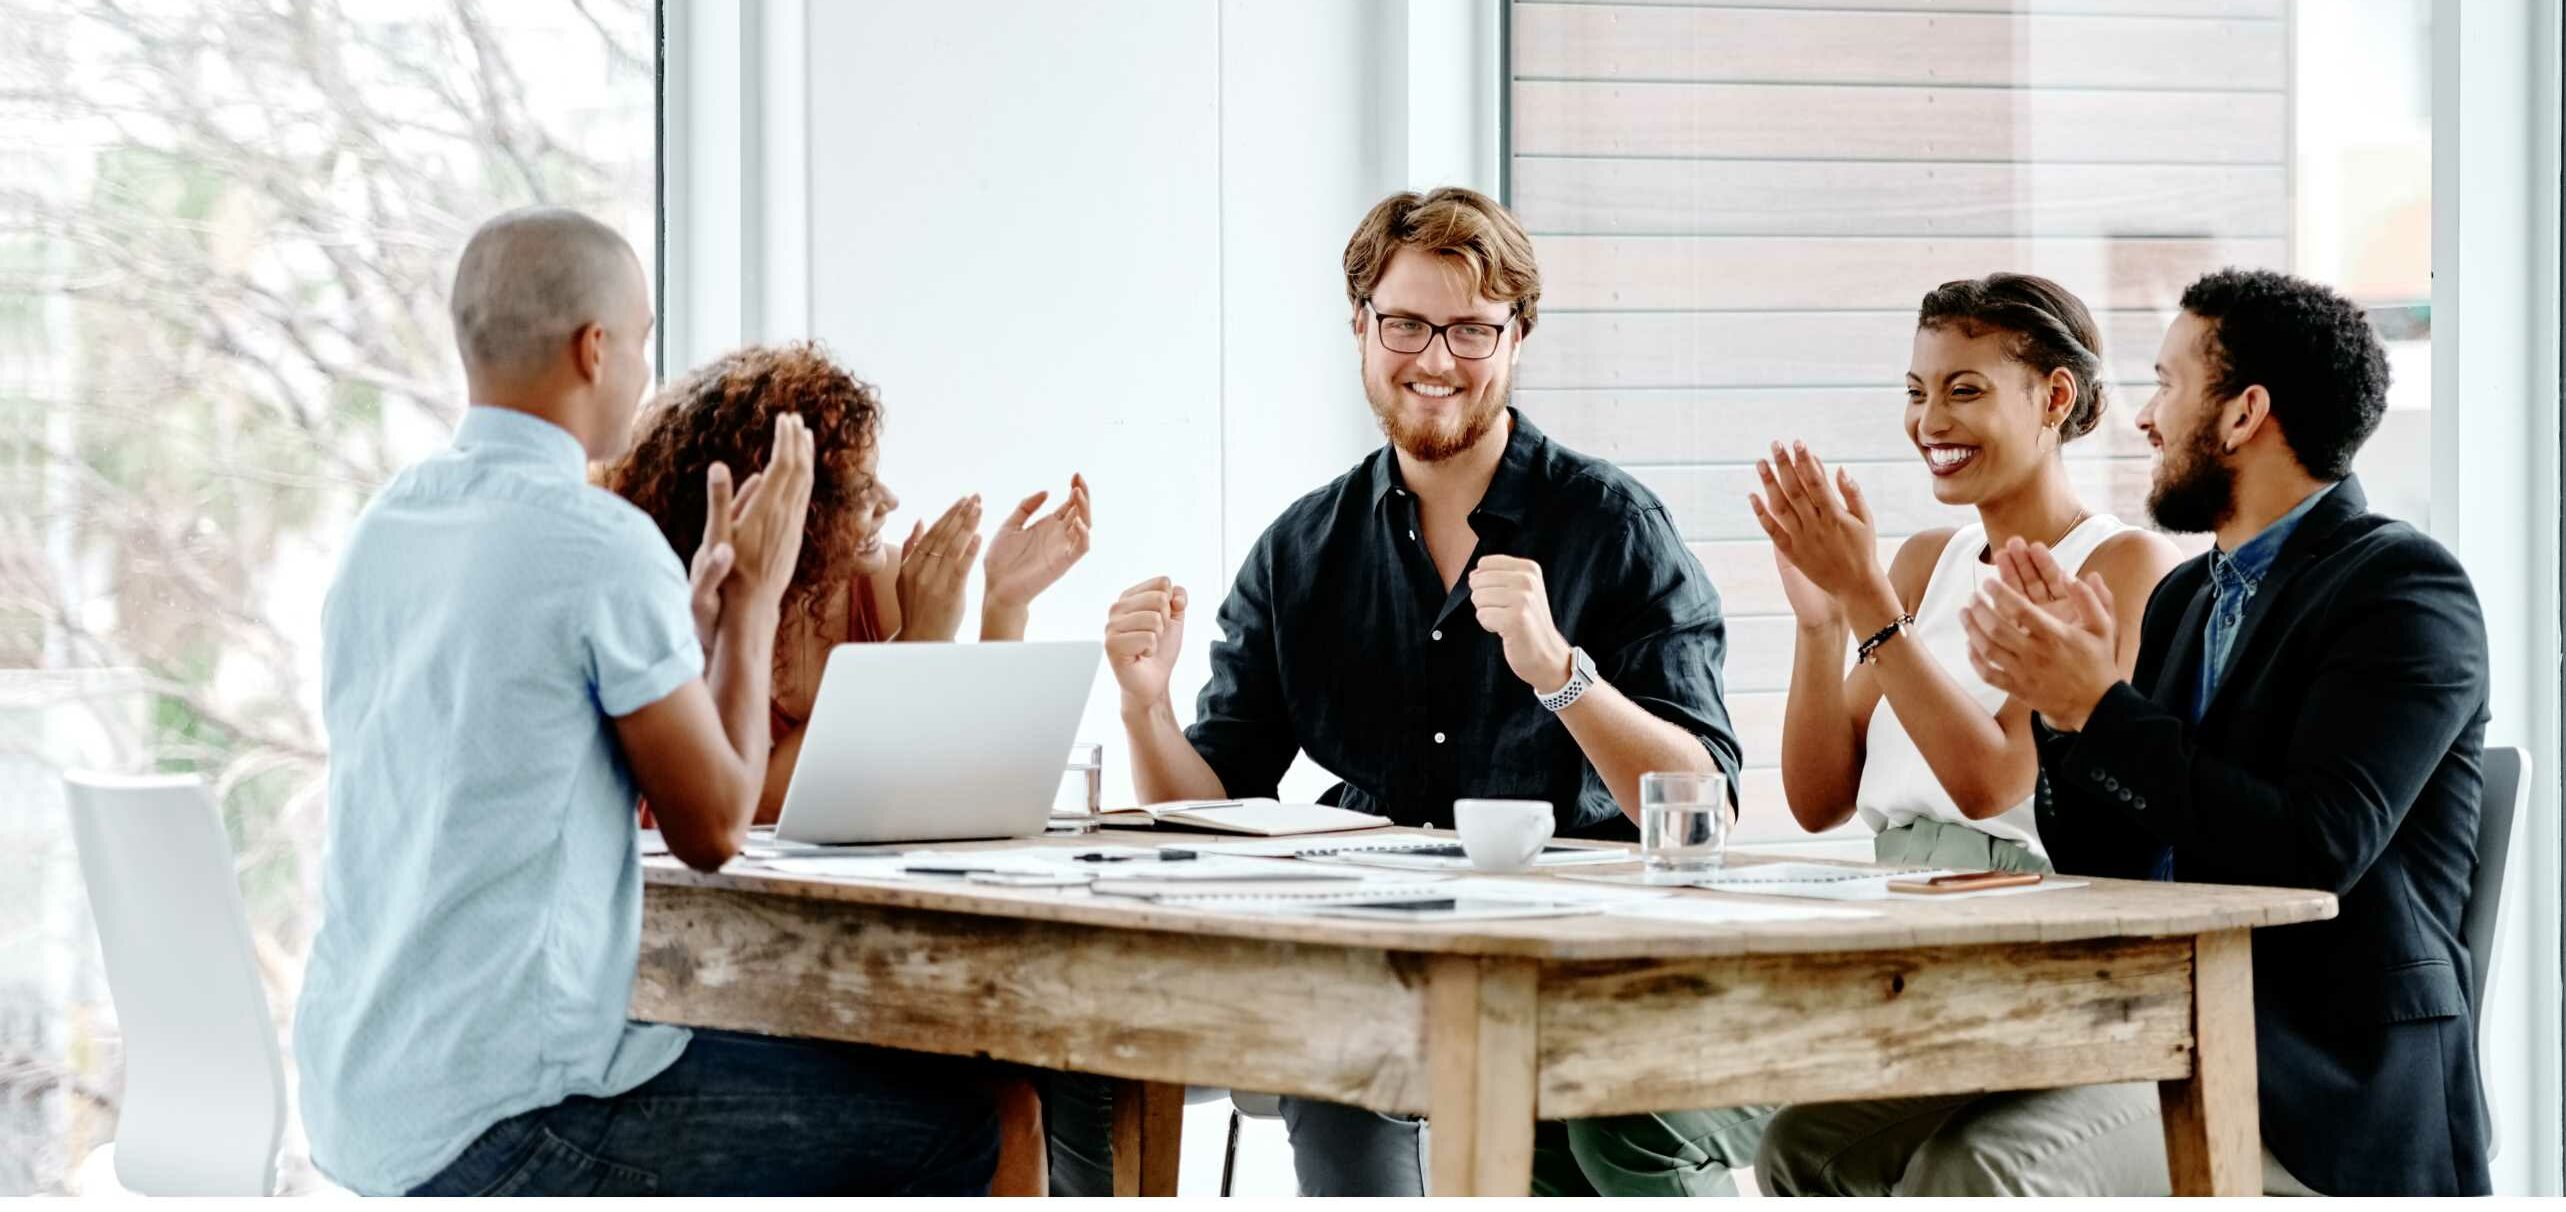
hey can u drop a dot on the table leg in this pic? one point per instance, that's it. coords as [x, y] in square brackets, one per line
[2213, 1126]
[1149, 1128]
[1481, 1021]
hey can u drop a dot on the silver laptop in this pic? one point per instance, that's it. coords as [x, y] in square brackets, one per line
[937, 742]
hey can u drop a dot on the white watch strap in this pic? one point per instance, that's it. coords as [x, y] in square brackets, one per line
[1580, 678]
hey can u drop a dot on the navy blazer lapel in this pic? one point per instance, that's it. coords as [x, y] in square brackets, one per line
[2315, 531]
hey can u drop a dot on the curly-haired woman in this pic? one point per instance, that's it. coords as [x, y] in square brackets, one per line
[850, 586]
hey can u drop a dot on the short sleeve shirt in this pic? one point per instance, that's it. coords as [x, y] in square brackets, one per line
[492, 615]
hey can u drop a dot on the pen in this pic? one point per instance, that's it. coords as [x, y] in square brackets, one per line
[1164, 856]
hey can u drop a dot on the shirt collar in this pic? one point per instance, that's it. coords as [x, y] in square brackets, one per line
[523, 436]
[1510, 490]
[2254, 557]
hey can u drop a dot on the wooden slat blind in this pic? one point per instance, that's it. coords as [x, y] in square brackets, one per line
[1738, 205]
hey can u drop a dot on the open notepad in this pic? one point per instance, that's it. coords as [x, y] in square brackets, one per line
[1254, 817]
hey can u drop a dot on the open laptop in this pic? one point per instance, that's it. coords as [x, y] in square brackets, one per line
[937, 742]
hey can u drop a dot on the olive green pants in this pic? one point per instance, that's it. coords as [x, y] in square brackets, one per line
[1925, 842]
[1671, 1153]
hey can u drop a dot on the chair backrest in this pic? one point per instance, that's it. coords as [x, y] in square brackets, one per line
[204, 1102]
[2499, 814]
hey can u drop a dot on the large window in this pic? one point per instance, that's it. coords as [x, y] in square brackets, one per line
[1738, 206]
[226, 233]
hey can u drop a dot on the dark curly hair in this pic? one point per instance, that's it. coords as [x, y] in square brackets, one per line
[2046, 327]
[725, 412]
[2312, 349]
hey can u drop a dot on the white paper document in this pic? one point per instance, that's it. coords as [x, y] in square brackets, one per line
[1727, 912]
[1816, 881]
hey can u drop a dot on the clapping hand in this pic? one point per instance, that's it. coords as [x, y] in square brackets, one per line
[768, 525]
[935, 563]
[1027, 556]
[714, 554]
[2042, 638]
[1824, 541]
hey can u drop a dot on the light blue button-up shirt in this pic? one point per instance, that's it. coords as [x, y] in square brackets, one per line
[481, 887]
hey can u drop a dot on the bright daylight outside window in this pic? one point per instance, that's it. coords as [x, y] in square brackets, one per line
[226, 232]
[1739, 205]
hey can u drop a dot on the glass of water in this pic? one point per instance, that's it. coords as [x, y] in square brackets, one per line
[1082, 788]
[1683, 822]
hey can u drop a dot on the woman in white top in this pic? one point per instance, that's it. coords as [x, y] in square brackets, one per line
[2006, 371]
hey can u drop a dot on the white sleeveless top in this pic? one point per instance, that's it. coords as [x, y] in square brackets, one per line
[1897, 785]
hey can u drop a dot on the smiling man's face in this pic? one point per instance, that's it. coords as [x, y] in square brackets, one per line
[1431, 404]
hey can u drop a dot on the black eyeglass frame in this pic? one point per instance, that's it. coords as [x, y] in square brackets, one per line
[1438, 331]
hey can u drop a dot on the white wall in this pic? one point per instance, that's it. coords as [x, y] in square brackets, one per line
[2495, 494]
[1102, 239]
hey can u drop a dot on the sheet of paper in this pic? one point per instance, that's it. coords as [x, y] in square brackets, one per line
[1565, 856]
[1556, 890]
[1722, 912]
[842, 866]
[2051, 884]
[1814, 881]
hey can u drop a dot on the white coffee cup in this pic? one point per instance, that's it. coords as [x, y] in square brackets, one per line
[1502, 835]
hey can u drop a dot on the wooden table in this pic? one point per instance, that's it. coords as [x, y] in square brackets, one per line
[1487, 1026]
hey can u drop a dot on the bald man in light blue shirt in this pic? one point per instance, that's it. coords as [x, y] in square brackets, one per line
[510, 657]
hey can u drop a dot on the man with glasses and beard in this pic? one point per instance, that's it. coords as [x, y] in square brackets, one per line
[2308, 710]
[1473, 611]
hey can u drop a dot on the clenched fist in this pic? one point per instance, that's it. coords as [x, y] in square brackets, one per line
[1144, 631]
[1514, 606]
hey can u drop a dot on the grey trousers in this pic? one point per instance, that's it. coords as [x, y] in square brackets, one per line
[2082, 1140]
[1339, 1150]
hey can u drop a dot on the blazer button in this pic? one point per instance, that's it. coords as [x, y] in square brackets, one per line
[2140, 803]
[2124, 797]
[2097, 775]
[2112, 785]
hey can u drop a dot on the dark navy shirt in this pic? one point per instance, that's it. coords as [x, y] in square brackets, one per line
[1339, 640]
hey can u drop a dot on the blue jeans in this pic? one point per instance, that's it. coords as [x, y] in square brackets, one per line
[752, 1115]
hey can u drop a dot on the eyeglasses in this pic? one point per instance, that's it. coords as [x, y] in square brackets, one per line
[1468, 339]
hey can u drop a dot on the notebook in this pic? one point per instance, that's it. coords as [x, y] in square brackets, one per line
[1254, 817]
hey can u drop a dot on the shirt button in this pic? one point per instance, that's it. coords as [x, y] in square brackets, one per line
[1438, 635]
[1412, 536]
[1438, 738]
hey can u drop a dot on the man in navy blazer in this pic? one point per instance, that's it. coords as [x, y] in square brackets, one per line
[2308, 710]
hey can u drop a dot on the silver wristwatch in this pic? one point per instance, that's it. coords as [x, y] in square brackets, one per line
[1581, 676]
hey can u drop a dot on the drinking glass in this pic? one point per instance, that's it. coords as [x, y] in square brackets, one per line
[1082, 788]
[1683, 822]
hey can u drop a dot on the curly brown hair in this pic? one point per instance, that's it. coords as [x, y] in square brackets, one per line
[725, 412]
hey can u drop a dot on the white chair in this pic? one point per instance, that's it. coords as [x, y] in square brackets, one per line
[204, 1102]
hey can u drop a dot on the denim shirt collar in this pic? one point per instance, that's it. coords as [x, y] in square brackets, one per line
[2244, 569]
